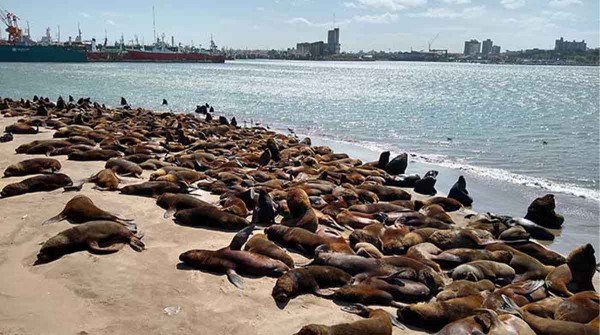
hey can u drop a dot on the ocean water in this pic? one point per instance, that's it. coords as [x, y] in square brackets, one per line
[486, 121]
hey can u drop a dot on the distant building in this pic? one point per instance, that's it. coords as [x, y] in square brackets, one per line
[472, 47]
[333, 41]
[313, 50]
[486, 47]
[495, 50]
[566, 46]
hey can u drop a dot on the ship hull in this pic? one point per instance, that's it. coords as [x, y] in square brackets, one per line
[39, 53]
[146, 56]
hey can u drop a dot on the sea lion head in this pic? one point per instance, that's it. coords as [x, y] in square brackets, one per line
[582, 259]
[12, 170]
[13, 189]
[52, 249]
[467, 272]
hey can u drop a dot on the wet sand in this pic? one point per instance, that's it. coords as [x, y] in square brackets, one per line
[127, 292]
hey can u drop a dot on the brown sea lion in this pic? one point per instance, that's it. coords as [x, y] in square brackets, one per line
[401, 289]
[94, 155]
[505, 324]
[296, 238]
[544, 326]
[234, 262]
[576, 275]
[33, 166]
[96, 236]
[522, 293]
[542, 212]
[582, 307]
[260, 244]
[124, 167]
[82, 209]
[210, 217]
[470, 325]
[379, 322]
[435, 315]
[24, 148]
[105, 180]
[154, 188]
[21, 129]
[302, 214]
[464, 288]
[437, 212]
[460, 238]
[544, 308]
[310, 279]
[478, 270]
[453, 257]
[540, 252]
[42, 183]
[526, 266]
[386, 193]
[173, 202]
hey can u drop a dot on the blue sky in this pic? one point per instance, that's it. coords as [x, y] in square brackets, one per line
[364, 24]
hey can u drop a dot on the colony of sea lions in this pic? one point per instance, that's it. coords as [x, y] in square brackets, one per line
[368, 238]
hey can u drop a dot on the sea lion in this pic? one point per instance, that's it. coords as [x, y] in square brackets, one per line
[96, 236]
[21, 129]
[296, 238]
[522, 292]
[582, 307]
[464, 288]
[210, 217]
[478, 270]
[302, 215]
[48, 182]
[544, 326]
[453, 257]
[124, 167]
[264, 212]
[470, 325]
[540, 252]
[526, 266]
[154, 188]
[426, 185]
[310, 279]
[173, 202]
[260, 244]
[234, 262]
[401, 289]
[94, 155]
[435, 315]
[105, 180]
[379, 322]
[460, 238]
[437, 212]
[459, 192]
[505, 324]
[397, 165]
[576, 275]
[541, 211]
[33, 166]
[82, 209]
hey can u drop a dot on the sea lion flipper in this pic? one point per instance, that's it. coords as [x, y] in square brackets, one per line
[324, 292]
[235, 279]
[169, 212]
[136, 244]
[114, 247]
[395, 322]
[61, 216]
[241, 237]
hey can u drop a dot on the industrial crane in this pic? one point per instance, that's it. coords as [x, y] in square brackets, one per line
[11, 21]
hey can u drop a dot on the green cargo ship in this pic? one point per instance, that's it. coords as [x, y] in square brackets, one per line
[42, 53]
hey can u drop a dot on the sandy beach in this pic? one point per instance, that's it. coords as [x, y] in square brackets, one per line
[127, 292]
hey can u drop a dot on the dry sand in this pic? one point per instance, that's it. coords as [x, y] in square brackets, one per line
[127, 292]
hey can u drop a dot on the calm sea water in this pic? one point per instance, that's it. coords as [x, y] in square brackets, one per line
[488, 122]
[489, 119]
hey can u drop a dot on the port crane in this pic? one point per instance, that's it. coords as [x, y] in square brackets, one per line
[15, 33]
[443, 52]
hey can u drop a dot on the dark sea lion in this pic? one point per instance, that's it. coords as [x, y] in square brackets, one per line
[535, 230]
[582, 307]
[576, 275]
[464, 288]
[33, 166]
[42, 183]
[94, 155]
[426, 185]
[96, 236]
[296, 238]
[310, 279]
[397, 165]
[459, 192]
[379, 322]
[82, 209]
[154, 188]
[210, 217]
[264, 213]
[478, 270]
[541, 211]
[233, 261]
[302, 215]
[435, 315]
[6, 138]
[544, 326]
[260, 244]
[124, 167]
[173, 202]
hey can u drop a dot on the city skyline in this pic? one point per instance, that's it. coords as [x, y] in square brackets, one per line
[366, 24]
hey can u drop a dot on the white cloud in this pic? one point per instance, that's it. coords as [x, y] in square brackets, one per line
[307, 22]
[448, 13]
[86, 15]
[564, 3]
[391, 5]
[111, 22]
[379, 19]
[457, 2]
[512, 4]
[559, 15]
